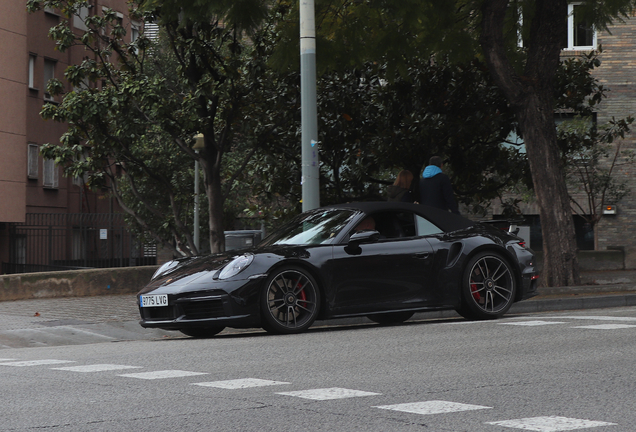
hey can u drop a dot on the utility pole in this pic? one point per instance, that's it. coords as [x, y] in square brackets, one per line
[199, 144]
[309, 116]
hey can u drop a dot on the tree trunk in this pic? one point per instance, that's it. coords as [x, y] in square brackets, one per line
[531, 97]
[560, 263]
[210, 159]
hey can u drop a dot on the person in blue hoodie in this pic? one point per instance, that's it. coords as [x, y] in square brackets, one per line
[435, 187]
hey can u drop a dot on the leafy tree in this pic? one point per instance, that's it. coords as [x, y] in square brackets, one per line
[376, 30]
[370, 127]
[131, 128]
[592, 155]
[529, 87]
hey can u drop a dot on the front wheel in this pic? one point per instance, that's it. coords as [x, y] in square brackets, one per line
[488, 287]
[201, 332]
[290, 301]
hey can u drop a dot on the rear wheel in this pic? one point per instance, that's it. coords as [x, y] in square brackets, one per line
[488, 287]
[290, 301]
[201, 332]
[390, 318]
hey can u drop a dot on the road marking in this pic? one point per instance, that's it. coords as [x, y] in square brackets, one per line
[162, 374]
[606, 326]
[531, 323]
[6, 360]
[596, 318]
[35, 362]
[550, 424]
[432, 407]
[96, 368]
[240, 383]
[328, 393]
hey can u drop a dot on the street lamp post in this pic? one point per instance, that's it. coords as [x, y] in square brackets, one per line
[309, 118]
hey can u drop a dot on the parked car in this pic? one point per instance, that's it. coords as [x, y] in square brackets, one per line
[384, 260]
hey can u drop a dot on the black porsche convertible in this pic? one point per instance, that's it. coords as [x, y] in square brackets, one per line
[383, 260]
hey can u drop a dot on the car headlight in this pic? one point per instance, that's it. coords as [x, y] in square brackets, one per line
[165, 268]
[235, 266]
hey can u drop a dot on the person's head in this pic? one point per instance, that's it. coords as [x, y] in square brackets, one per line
[435, 160]
[367, 223]
[404, 179]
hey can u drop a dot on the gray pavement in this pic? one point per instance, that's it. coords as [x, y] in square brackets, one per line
[114, 318]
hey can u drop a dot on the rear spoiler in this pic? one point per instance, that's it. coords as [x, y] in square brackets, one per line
[505, 224]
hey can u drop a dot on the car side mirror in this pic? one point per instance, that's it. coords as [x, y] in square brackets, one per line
[366, 236]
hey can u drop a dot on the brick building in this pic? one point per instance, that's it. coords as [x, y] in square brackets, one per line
[37, 203]
[616, 73]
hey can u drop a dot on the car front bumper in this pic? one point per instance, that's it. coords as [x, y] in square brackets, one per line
[214, 308]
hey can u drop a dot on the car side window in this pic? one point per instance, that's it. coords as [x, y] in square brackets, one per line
[392, 225]
[425, 227]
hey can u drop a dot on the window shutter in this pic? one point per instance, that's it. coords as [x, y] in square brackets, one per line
[33, 166]
[51, 175]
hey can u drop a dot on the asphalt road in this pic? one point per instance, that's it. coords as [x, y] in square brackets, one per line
[86, 320]
[551, 371]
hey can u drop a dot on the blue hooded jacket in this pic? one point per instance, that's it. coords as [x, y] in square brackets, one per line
[436, 190]
[431, 171]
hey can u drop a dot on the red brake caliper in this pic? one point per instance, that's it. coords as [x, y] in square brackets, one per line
[473, 290]
[302, 296]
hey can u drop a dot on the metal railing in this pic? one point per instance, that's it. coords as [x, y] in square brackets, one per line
[64, 241]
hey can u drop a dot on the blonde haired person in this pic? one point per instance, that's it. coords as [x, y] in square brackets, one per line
[401, 189]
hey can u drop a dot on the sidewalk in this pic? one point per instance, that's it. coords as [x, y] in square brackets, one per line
[81, 320]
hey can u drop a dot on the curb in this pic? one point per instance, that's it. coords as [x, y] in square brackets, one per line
[574, 301]
[546, 303]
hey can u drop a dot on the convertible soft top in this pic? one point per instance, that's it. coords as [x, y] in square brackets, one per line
[445, 220]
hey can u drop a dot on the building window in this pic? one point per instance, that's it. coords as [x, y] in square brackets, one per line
[134, 33]
[581, 34]
[83, 85]
[19, 249]
[49, 74]
[32, 58]
[51, 175]
[33, 164]
[79, 20]
[51, 11]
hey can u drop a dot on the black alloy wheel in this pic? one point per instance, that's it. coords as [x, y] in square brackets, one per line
[390, 317]
[290, 301]
[488, 287]
[201, 332]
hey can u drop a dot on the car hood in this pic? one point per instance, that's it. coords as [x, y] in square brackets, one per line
[201, 269]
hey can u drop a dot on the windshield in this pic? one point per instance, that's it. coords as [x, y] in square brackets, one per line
[311, 228]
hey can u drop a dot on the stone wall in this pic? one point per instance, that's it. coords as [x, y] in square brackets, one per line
[75, 283]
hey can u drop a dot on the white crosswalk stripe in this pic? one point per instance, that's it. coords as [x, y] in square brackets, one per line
[532, 323]
[328, 393]
[550, 424]
[606, 326]
[596, 318]
[432, 407]
[240, 383]
[35, 362]
[96, 368]
[162, 374]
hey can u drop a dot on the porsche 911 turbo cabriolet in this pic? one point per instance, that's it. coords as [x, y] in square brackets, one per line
[383, 260]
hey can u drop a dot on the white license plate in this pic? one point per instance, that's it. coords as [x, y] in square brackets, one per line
[154, 300]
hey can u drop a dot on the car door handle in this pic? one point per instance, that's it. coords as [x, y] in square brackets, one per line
[422, 255]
